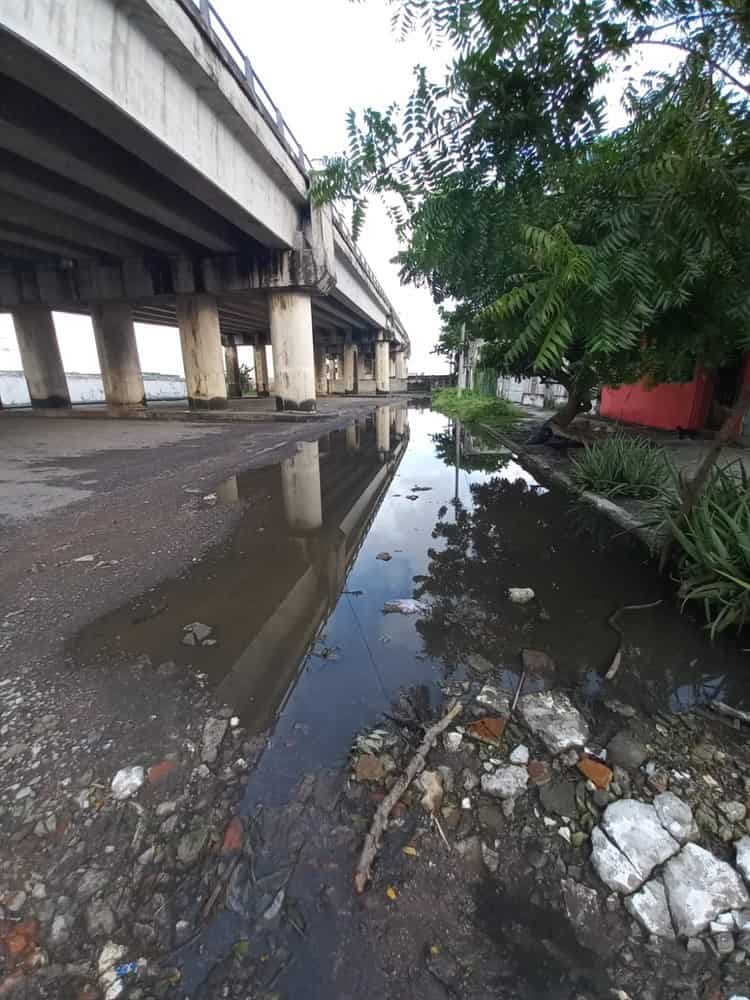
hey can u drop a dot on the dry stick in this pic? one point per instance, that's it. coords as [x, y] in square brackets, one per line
[380, 820]
[734, 713]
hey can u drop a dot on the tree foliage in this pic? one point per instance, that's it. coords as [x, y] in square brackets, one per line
[582, 256]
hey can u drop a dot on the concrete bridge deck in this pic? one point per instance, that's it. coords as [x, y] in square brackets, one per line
[147, 175]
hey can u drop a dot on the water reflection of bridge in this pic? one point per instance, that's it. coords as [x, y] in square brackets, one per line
[330, 491]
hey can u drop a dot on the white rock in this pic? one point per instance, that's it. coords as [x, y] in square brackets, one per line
[552, 717]
[743, 857]
[213, 734]
[635, 829]
[674, 815]
[506, 783]
[431, 783]
[404, 606]
[611, 865]
[85, 559]
[453, 741]
[127, 781]
[466, 802]
[700, 887]
[234, 721]
[735, 812]
[649, 907]
[492, 697]
[520, 755]
[564, 832]
[520, 595]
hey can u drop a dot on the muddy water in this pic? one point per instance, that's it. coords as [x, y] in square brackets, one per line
[304, 651]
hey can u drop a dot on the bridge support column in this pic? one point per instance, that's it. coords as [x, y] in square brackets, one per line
[116, 347]
[293, 356]
[40, 356]
[348, 364]
[401, 365]
[200, 337]
[383, 431]
[232, 367]
[300, 488]
[352, 437]
[321, 372]
[261, 368]
[382, 365]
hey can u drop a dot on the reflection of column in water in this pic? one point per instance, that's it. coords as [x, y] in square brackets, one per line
[300, 485]
[402, 421]
[383, 428]
[228, 491]
[352, 437]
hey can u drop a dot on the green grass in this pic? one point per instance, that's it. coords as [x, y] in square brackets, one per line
[474, 408]
[713, 569]
[623, 466]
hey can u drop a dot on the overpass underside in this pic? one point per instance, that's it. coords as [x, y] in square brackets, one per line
[115, 205]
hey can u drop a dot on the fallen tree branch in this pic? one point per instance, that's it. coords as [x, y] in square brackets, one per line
[380, 820]
[734, 713]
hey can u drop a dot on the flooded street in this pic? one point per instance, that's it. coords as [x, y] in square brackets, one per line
[402, 505]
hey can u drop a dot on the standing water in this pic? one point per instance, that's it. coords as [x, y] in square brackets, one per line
[402, 506]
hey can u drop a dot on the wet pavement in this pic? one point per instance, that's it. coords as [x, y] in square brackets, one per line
[297, 645]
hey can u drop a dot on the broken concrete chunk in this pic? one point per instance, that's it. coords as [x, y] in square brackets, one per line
[494, 698]
[583, 909]
[611, 865]
[743, 857]
[506, 783]
[127, 781]
[479, 664]
[649, 907]
[213, 733]
[700, 887]
[675, 816]
[520, 755]
[635, 829]
[552, 717]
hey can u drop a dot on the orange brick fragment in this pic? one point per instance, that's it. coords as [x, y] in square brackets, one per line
[595, 771]
[232, 836]
[158, 772]
[488, 730]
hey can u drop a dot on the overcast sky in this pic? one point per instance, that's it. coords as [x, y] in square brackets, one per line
[317, 59]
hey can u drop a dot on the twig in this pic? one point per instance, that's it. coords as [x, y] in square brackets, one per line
[380, 820]
[735, 713]
[612, 620]
[211, 902]
[440, 831]
[517, 695]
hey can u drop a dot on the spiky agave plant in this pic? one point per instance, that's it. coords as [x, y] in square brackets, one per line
[623, 466]
[713, 568]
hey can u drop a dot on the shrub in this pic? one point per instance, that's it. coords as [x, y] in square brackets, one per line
[472, 407]
[714, 565]
[623, 466]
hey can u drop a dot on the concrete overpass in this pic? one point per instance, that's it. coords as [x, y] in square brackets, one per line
[147, 175]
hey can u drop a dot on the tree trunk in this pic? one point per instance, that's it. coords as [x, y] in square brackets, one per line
[579, 401]
[692, 489]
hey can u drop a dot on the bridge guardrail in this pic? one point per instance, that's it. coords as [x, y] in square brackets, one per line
[242, 69]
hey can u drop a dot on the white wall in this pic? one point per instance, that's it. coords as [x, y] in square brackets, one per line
[88, 388]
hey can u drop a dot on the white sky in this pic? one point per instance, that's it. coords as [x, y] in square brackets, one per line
[317, 59]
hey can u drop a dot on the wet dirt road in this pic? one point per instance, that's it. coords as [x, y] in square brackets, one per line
[301, 651]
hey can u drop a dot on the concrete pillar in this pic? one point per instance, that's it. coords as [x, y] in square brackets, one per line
[402, 421]
[383, 429]
[40, 356]
[261, 369]
[292, 344]
[120, 365]
[232, 368]
[348, 364]
[300, 488]
[382, 365]
[200, 337]
[401, 364]
[321, 373]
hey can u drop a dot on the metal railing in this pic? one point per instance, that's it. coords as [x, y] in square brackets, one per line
[222, 39]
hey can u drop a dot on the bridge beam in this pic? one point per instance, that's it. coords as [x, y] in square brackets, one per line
[200, 338]
[116, 346]
[293, 354]
[40, 356]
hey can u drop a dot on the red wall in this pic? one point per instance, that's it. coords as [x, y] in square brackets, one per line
[669, 405]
